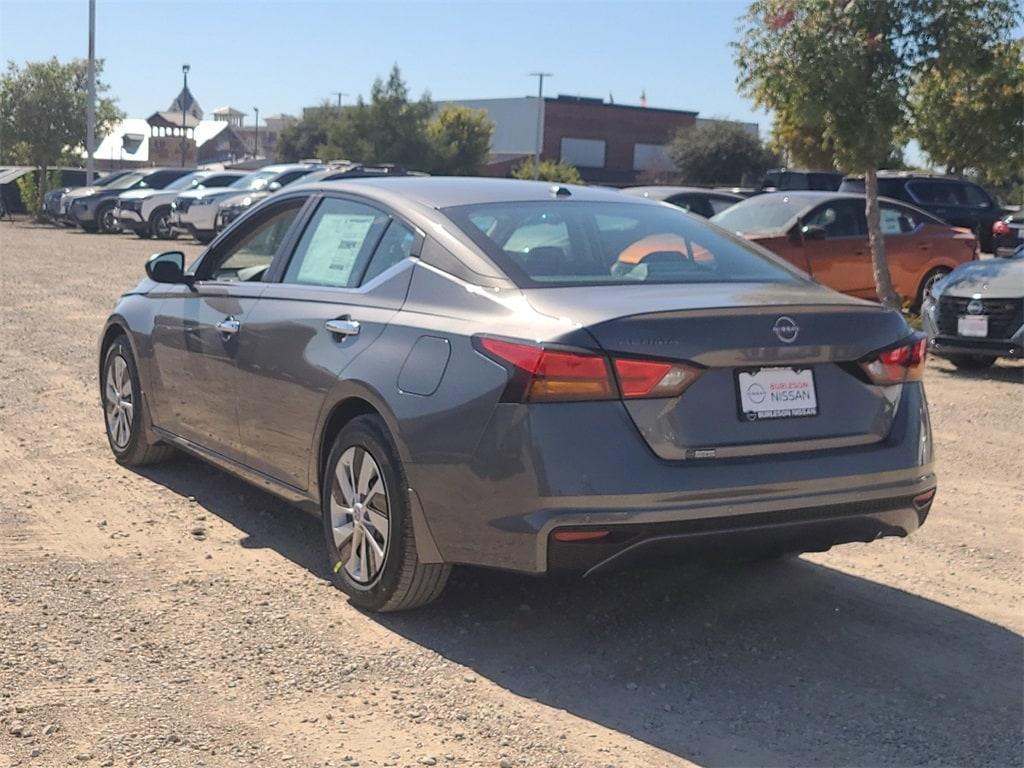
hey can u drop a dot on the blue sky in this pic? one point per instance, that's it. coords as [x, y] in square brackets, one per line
[283, 55]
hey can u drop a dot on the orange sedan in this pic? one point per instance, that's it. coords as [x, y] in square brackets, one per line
[826, 235]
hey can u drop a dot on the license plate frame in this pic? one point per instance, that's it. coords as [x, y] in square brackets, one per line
[774, 374]
[972, 326]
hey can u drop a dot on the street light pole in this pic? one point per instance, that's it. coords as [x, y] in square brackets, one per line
[184, 72]
[90, 109]
[256, 140]
[540, 120]
[339, 94]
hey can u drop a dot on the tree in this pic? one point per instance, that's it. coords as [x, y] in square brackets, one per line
[565, 173]
[390, 129]
[848, 67]
[719, 152]
[972, 116]
[460, 139]
[42, 112]
[303, 139]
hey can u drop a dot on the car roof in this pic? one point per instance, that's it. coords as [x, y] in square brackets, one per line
[810, 198]
[449, 191]
[663, 191]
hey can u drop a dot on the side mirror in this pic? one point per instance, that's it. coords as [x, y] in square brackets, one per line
[167, 267]
[274, 186]
[813, 232]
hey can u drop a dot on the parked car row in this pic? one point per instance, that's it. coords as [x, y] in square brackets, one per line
[165, 203]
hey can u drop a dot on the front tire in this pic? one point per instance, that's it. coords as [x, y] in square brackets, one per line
[106, 221]
[926, 285]
[972, 362]
[124, 409]
[160, 225]
[364, 505]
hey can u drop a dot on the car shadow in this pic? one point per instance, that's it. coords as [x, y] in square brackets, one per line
[782, 663]
[1008, 372]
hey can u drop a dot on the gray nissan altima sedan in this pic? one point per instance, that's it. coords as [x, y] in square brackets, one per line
[523, 376]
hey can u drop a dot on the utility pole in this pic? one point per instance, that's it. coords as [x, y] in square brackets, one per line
[256, 140]
[184, 128]
[339, 94]
[540, 119]
[90, 109]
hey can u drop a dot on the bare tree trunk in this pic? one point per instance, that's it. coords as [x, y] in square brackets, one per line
[41, 189]
[883, 280]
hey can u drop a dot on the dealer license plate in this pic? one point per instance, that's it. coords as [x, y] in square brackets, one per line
[972, 325]
[777, 393]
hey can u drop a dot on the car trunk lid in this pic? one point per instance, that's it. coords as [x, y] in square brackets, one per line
[762, 339]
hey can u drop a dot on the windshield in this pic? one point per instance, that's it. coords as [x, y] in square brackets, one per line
[562, 242]
[126, 181]
[108, 179]
[189, 181]
[255, 180]
[759, 215]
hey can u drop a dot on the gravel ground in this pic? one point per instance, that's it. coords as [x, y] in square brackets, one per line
[177, 617]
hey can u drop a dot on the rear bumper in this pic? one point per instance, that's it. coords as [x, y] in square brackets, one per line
[579, 466]
[806, 529]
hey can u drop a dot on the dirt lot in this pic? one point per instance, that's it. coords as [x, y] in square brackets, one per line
[177, 617]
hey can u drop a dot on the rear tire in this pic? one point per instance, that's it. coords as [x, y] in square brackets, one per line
[364, 505]
[125, 411]
[972, 362]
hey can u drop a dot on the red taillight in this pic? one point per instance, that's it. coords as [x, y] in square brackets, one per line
[1000, 228]
[899, 364]
[591, 535]
[543, 374]
[653, 378]
[547, 374]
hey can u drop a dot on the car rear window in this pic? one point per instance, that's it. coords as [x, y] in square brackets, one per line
[760, 215]
[565, 242]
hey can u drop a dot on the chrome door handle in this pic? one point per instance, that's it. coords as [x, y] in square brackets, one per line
[229, 326]
[343, 327]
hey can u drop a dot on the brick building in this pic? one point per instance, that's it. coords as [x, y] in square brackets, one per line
[614, 144]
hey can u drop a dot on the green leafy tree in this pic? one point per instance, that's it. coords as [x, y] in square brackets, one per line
[460, 139]
[972, 116]
[848, 67]
[42, 112]
[719, 152]
[565, 173]
[388, 129]
[304, 138]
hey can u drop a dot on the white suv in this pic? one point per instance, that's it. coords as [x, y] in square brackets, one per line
[147, 212]
[195, 212]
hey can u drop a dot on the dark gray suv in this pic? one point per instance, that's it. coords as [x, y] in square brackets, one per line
[519, 375]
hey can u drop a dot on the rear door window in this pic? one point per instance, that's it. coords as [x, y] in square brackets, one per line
[395, 246]
[933, 192]
[337, 241]
[976, 197]
[898, 220]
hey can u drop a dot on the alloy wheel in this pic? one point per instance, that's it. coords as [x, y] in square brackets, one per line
[162, 226]
[931, 281]
[108, 222]
[120, 402]
[360, 517]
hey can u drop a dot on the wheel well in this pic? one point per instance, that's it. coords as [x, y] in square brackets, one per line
[113, 332]
[342, 414]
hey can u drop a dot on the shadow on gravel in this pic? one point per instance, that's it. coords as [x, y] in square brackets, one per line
[1014, 374]
[268, 522]
[786, 663]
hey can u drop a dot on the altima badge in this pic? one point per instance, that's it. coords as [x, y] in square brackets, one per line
[786, 329]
